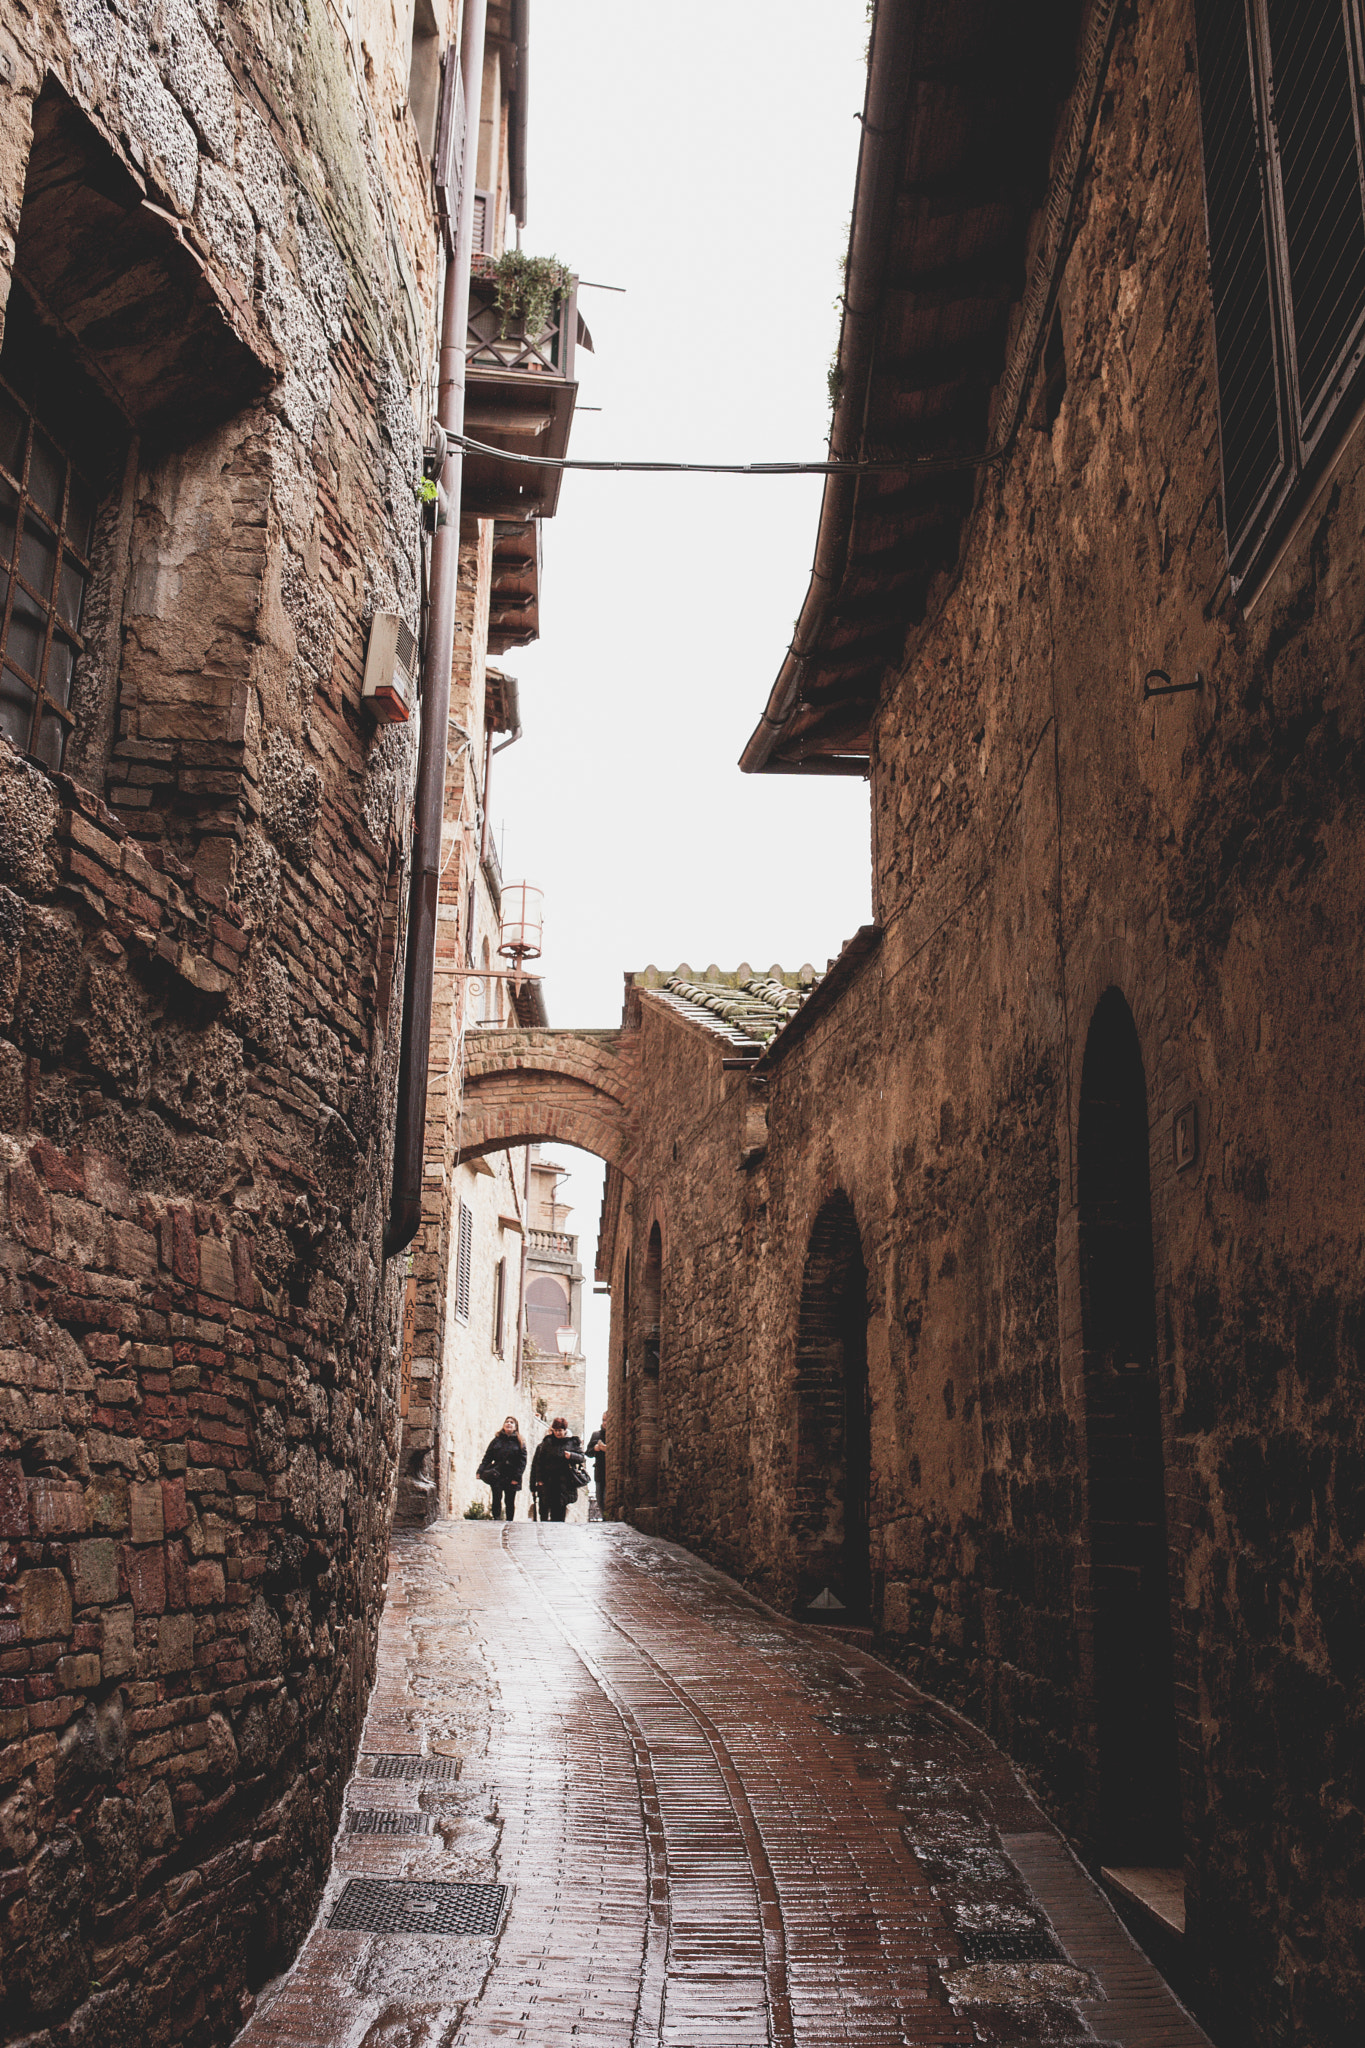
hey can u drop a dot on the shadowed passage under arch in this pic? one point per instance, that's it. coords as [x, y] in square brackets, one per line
[833, 1423]
[1139, 1796]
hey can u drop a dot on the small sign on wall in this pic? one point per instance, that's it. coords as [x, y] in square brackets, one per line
[1185, 1137]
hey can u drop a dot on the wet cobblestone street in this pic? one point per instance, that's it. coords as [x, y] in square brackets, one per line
[715, 1829]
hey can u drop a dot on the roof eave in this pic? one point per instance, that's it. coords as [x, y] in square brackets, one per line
[874, 197]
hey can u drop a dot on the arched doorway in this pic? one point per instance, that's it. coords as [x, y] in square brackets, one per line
[646, 1401]
[1138, 1821]
[830, 1537]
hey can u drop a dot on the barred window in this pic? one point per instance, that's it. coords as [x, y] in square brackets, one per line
[1280, 84]
[464, 1247]
[47, 512]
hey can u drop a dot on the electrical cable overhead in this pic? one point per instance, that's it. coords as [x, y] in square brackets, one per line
[885, 464]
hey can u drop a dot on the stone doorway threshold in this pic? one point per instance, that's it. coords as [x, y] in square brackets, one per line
[1160, 1893]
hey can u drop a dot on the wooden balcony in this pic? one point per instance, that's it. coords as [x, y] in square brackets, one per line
[519, 395]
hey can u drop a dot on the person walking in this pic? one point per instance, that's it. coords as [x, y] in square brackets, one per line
[597, 1451]
[502, 1467]
[557, 1472]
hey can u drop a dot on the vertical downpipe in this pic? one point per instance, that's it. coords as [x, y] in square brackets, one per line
[405, 1209]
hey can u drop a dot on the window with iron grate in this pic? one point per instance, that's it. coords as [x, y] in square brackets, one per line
[56, 447]
[463, 1255]
[1280, 86]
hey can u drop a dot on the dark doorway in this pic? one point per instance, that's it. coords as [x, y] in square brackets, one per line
[833, 1474]
[646, 1403]
[1139, 1791]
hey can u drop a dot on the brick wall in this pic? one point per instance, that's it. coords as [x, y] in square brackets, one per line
[200, 997]
[1042, 836]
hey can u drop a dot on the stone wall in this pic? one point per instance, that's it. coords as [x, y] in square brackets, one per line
[1042, 836]
[200, 988]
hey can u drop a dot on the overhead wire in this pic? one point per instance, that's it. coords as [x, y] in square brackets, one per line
[863, 466]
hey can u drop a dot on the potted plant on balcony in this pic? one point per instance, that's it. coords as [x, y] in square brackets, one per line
[528, 290]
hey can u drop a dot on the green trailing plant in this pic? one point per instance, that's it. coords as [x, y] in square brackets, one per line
[834, 377]
[529, 288]
[478, 1511]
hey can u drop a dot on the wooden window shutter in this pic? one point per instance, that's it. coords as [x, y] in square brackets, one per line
[448, 160]
[1250, 378]
[463, 1250]
[499, 1294]
[1284, 182]
[1314, 100]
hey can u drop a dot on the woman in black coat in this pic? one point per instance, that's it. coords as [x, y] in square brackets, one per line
[557, 1472]
[504, 1462]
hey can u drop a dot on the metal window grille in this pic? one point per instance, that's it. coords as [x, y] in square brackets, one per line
[463, 1251]
[47, 514]
[1280, 86]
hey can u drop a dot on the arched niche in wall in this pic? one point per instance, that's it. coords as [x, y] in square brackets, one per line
[1138, 1822]
[646, 1385]
[832, 1479]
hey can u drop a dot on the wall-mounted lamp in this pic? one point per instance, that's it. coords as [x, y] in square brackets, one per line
[567, 1340]
[1156, 683]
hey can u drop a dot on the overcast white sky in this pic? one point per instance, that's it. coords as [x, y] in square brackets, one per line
[703, 158]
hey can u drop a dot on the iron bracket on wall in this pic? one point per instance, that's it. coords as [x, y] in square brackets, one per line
[1165, 687]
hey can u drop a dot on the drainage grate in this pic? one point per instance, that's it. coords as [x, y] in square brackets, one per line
[370, 1820]
[1038, 1947]
[412, 1767]
[376, 1905]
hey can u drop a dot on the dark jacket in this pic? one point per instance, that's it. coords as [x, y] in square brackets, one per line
[597, 1451]
[503, 1462]
[557, 1468]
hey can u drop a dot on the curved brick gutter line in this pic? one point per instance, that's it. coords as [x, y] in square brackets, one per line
[1136, 2007]
[649, 2009]
[764, 1877]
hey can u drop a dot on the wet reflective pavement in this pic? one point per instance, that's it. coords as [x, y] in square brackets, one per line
[714, 1829]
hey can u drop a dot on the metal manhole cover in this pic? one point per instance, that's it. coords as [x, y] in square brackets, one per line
[370, 1820]
[410, 1767]
[1037, 1947]
[377, 1905]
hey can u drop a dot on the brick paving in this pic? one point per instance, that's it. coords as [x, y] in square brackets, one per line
[716, 1829]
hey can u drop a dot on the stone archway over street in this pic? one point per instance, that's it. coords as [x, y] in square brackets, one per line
[570, 1087]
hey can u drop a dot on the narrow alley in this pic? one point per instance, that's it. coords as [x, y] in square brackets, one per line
[661, 1813]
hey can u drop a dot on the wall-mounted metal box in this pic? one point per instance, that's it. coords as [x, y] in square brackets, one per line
[390, 687]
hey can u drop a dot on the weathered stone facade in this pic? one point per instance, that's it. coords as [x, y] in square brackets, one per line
[217, 221]
[1046, 1204]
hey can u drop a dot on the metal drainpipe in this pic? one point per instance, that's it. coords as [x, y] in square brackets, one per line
[405, 1208]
